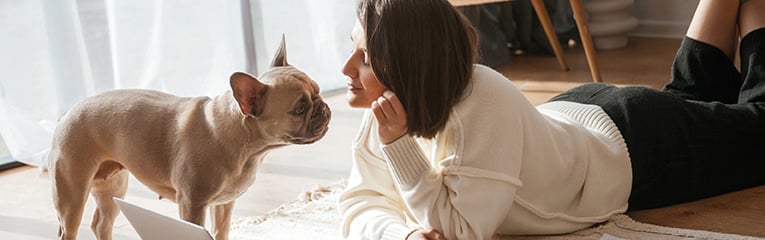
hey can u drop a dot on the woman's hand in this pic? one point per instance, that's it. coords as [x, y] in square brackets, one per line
[391, 117]
[425, 234]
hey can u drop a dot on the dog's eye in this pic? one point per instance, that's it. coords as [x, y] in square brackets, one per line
[301, 108]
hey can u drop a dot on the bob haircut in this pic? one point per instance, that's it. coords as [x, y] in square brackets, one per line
[423, 51]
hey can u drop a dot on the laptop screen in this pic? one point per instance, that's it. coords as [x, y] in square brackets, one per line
[151, 225]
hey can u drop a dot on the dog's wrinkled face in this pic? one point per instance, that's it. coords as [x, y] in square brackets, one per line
[285, 104]
[298, 109]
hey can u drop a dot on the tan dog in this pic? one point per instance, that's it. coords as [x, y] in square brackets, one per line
[198, 152]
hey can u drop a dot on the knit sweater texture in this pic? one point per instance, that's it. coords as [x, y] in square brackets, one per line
[500, 166]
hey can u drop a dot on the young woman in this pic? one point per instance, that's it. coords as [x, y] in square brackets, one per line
[453, 150]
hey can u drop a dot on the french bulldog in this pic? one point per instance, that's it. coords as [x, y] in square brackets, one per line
[198, 152]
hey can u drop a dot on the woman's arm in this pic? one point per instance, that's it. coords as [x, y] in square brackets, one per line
[462, 200]
[371, 206]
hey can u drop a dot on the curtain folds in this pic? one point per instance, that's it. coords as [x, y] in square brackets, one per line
[56, 53]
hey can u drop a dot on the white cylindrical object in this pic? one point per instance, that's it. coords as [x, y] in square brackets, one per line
[610, 22]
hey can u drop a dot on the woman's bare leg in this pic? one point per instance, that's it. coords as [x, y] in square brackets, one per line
[714, 22]
[751, 16]
[752, 51]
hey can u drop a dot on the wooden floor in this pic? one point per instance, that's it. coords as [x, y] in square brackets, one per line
[26, 210]
[741, 212]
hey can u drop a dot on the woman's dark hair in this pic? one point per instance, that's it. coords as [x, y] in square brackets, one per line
[423, 51]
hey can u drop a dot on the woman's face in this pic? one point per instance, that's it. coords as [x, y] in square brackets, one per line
[363, 86]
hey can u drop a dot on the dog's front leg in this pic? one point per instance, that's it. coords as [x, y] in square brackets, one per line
[193, 212]
[221, 218]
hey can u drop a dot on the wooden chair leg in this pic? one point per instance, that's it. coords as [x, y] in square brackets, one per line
[544, 18]
[584, 33]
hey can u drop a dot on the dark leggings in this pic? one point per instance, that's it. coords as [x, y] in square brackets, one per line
[702, 136]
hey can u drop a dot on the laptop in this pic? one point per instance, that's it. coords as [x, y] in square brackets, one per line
[151, 225]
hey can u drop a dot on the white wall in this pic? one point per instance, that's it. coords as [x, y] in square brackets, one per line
[663, 18]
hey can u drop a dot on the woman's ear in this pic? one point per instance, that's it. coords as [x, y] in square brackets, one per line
[249, 93]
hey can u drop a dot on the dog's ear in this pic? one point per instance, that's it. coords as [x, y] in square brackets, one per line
[280, 58]
[249, 93]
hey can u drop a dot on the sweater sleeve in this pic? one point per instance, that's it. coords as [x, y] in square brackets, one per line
[460, 199]
[371, 207]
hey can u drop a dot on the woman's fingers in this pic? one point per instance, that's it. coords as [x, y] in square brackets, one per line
[432, 234]
[395, 104]
[386, 107]
[391, 117]
[389, 108]
[377, 110]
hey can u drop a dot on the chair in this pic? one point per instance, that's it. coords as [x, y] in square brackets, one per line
[580, 16]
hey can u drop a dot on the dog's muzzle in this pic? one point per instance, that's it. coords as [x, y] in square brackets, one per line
[317, 125]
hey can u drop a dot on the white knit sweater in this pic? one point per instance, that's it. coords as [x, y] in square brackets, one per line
[500, 166]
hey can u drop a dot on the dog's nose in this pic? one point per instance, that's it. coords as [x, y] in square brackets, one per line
[322, 110]
[318, 124]
[320, 119]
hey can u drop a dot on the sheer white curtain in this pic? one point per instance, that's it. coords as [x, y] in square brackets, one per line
[318, 34]
[55, 53]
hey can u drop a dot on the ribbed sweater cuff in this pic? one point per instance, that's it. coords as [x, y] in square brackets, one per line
[406, 160]
[396, 232]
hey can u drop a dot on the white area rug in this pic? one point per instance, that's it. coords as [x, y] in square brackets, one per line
[314, 216]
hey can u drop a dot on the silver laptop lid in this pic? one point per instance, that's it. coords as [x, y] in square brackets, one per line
[151, 225]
